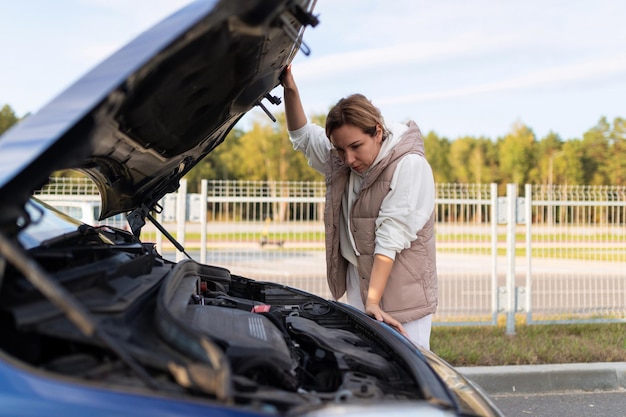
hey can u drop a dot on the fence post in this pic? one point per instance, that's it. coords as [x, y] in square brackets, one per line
[494, 252]
[511, 218]
[181, 214]
[528, 194]
[203, 214]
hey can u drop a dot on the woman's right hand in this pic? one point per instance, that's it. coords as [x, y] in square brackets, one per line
[287, 80]
[294, 112]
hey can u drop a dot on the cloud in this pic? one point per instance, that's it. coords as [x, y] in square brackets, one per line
[567, 74]
[403, 54]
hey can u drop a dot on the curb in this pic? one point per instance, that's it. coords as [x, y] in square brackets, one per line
[532, 379]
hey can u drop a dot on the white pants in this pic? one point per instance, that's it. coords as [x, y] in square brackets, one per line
[418, 330]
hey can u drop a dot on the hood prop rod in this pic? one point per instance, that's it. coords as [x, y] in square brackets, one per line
[167, 234]
[76, 313]
[136, 220]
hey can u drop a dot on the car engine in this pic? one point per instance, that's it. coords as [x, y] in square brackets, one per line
[194, 330]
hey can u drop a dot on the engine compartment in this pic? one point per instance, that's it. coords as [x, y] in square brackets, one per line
[280, 338]
[196, 330]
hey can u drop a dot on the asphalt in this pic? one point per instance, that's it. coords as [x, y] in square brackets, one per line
[530, 379]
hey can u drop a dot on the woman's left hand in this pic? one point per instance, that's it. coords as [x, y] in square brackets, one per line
[375, 311]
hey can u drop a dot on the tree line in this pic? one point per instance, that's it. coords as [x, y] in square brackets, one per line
[262, 151]
[598, 157]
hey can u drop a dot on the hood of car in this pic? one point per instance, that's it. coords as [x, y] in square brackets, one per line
[141, 119]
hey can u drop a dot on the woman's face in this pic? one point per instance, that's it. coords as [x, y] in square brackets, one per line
[356, 149]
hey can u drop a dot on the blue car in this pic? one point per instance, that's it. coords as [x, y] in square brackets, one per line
[95, 322]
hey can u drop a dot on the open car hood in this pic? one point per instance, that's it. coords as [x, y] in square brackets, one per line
[145, 116]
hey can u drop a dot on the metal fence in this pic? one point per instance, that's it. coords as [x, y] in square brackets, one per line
[575, 243]
[554, 254]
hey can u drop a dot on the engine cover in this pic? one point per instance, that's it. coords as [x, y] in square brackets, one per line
[255, 346]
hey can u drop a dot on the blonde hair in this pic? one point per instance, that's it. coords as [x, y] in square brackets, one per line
[356, 110]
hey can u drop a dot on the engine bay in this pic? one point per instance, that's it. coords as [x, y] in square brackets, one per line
[196, 330]
[278, 337]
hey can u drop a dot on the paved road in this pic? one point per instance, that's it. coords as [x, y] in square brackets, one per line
[561, 390]
[563, 404]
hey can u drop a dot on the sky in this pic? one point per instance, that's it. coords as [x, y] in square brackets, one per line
[458, 68]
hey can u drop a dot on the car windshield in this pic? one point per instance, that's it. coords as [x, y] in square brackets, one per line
[45, 223]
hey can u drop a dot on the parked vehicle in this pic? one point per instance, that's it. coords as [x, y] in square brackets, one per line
[87, 212]
[96, 322]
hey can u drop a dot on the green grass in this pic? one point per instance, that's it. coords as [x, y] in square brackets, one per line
[581, 253]
[531, 344]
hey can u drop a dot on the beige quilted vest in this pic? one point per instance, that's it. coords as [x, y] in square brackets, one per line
[411, 292]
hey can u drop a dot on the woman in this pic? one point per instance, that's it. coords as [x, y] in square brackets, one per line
[379, 213]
